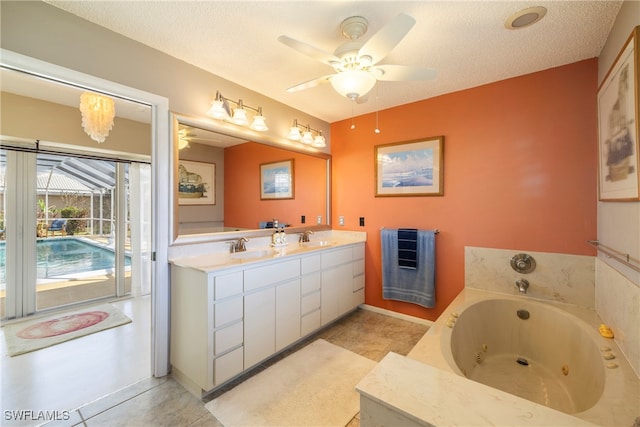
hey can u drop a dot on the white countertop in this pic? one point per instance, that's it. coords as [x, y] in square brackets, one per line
[260, 250]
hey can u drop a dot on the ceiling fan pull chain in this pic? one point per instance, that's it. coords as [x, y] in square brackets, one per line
[377, 129]
[353, 125]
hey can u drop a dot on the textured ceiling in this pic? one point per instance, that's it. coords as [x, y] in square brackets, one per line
[465, 42]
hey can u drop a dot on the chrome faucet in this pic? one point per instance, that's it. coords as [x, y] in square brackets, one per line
[304, 237]
[522, 285]
[239, 245]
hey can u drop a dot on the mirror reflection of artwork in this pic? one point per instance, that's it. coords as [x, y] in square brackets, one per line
[276, 180]
[196, 184]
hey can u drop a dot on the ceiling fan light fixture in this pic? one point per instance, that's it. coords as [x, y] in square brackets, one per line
[353, 83]
[525, 17]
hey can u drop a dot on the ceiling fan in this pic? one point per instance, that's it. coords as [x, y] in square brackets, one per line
[355, 64]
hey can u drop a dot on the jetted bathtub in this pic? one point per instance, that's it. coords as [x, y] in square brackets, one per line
[546, 352]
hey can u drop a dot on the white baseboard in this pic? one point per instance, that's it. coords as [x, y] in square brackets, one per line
[396, 314]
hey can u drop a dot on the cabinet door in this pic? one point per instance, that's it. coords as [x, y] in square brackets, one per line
[336, 292]
[259, 326]
[287, 313]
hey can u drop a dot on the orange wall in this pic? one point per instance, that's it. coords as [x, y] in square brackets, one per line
[242, 177]
[520, 172]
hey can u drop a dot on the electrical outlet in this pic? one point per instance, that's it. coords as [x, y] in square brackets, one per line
[319, 219]
[361, 221]
[341, 220]
[303, 219]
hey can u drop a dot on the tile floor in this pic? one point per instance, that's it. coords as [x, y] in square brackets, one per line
[68, 375]
[164, 402]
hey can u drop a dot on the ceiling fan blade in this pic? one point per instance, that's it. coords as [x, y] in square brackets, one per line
[309, 84]
[382, 42]
[395, 73]
[311, 51]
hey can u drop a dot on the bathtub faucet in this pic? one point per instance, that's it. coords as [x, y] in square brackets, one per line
[522, 285]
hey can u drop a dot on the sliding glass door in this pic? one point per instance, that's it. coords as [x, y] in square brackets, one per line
[70, 226]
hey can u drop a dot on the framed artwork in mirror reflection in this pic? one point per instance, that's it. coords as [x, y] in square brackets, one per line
[196, 183]
[276, 180]
[411, 168]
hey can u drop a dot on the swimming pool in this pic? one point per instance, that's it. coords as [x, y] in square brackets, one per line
[66, 256]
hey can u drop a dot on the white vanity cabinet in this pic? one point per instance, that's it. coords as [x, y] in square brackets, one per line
[272, 298]
[225, 320]
[339, 267]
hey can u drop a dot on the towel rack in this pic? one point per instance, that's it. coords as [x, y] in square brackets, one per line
[617, 255]
[436, 231]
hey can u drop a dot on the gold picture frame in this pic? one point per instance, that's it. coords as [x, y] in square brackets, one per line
[618, 131]
[410, 168]
[276, 180]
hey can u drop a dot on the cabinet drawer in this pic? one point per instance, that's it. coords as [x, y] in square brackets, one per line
[228, 366]
[310, 283]
[337, 257]
[358, 282]
[358, 252]
[310, 302]
[227, 312]
[227, 338]
[310, 323]
[358, 267]
[263, 276]
[358, 297]
[227, 285]
[310, 264]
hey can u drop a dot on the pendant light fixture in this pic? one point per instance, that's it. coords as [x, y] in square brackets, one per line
[98, 112]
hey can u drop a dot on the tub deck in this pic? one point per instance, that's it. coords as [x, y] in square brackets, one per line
[424, 389]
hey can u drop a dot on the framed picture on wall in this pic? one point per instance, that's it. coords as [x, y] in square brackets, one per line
[276, 180]
[196, 183]
[412, 168]
[618, 134]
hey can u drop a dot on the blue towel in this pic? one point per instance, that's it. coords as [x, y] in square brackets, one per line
[404, 284]
[408, 248]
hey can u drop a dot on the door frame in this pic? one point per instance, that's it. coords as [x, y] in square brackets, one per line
[161, 150]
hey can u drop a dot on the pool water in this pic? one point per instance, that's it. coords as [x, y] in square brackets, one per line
[63, 257]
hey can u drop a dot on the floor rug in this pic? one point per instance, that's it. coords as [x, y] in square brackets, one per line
[314, 386]
[31, 335]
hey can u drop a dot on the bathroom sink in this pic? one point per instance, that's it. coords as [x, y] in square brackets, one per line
[252, 254]
[316, 243]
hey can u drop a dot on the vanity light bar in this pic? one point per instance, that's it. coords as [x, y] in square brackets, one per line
[306, 136]
[220, 110]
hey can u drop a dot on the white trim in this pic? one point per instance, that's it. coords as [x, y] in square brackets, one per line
[396, 314]
[160, 164]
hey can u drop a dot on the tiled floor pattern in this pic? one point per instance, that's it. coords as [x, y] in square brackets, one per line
[163, 402]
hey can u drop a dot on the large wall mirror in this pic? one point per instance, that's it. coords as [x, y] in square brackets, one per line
[225, 183]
